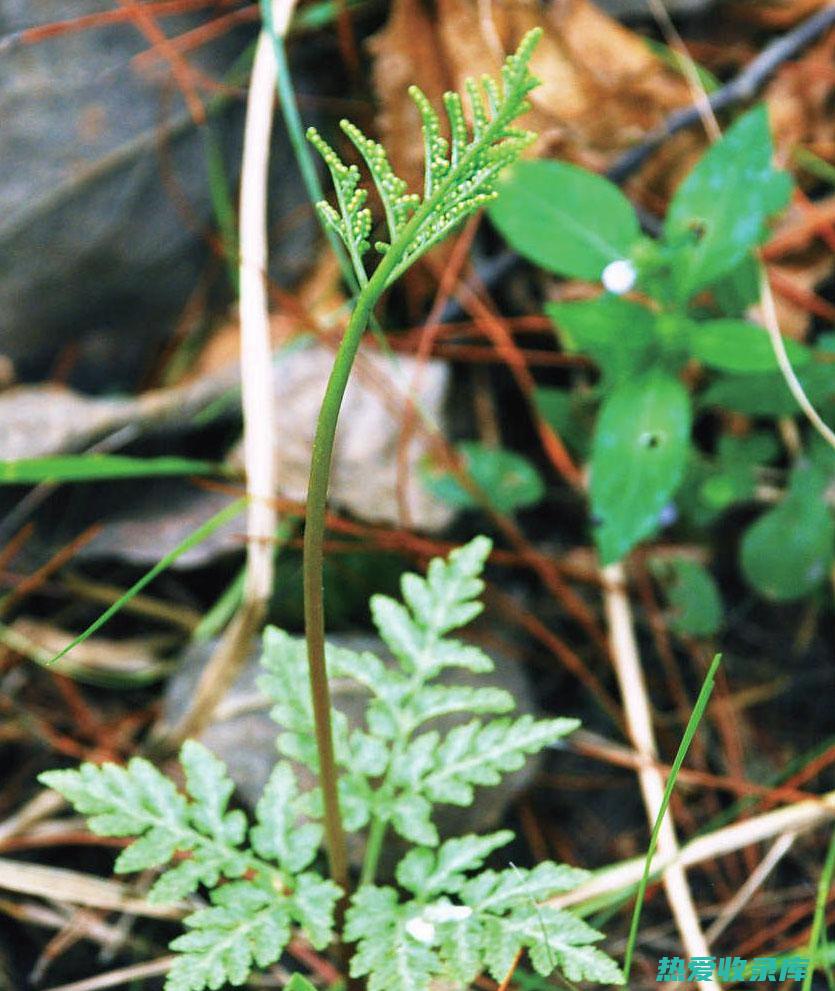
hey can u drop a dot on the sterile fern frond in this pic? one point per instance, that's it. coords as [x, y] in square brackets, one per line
[452, 927]
[459, 172]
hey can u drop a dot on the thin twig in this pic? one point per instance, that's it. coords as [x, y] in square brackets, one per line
[44, 804]
[625, 875]
[742, 87]
[755, 881]
[124, 975]
[639, 724]
[772, 325]
[688, 68]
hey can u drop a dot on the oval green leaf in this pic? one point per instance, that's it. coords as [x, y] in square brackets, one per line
[692, 594]
[719, 212]
[508, 480]
[564, 219]
[788, 552]
[617, 334]
[738, 346]
[299, 983]
[638, 458]
[766, 394]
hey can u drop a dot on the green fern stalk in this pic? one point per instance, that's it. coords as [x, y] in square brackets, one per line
[460, 177]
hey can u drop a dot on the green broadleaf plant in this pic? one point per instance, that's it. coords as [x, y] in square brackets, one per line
[692, 594]
[447, 918]
[565, 219]
[697, 281]
[719, 212]
[788, 552]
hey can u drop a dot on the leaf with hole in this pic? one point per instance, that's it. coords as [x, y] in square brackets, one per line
[565, 219]
[720, 210]
[638, 457]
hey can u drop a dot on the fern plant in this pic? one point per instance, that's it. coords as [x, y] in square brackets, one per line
[461, 174]
[446, 919]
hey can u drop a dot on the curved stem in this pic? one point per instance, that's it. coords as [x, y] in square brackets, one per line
[314, 535]
[314, 529]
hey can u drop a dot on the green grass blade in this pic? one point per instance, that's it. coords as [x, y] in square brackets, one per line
[227, 604]
[222, 205]
[298, 142]
[200, 534]
[684, 746]
[99, 468]
[819, 920]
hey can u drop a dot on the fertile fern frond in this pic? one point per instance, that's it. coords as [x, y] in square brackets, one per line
[352, 222]
[460, 172]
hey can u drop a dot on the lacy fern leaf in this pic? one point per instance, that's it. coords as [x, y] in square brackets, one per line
[460, 172]
[449, 919]
[137, 800]
[453, 927]
[417, 769]
[259, 885]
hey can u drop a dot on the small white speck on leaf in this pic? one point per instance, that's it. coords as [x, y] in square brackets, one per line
[421, 930]
[445, 912]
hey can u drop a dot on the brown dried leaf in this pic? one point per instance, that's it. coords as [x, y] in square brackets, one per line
[799, 100]
[602, 88]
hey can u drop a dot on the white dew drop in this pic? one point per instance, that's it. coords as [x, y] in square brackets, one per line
[421, 930]
[620, 276]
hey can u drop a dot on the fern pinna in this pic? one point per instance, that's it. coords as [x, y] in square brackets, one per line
[444, 918]
[459, 174]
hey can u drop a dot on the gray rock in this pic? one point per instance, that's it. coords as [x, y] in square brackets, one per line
[142, 523]
[243, 734]
[104, 196]
[364, 472]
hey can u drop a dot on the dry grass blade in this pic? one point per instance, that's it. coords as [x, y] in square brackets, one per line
[792, 819]
[61, 884]
[124, 975]
[639, 723]
[44, 804]
[777, 851]
[257, 394]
